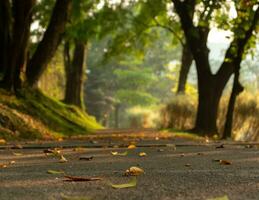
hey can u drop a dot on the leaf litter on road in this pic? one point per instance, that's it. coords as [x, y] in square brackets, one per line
[223, 162]
[62, 159]
[132, 183]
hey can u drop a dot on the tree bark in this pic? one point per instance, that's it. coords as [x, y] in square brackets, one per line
[5, 33]
[22, 14]
[51, 39]
[75, 74]
[185, 68]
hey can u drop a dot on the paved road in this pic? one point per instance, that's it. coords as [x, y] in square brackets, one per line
[188, 171]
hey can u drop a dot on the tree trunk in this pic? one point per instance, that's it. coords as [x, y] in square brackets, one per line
[5, 34]
[51, 39]
[75, 74]
[22, 14]
[236, 90]
[185, 68]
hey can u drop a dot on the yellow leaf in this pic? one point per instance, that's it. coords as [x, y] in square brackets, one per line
[220, 198]
[17, 154]
[132, 146]
[132, 183]
[55, 172]
[134, 171]
[2, 141]
[115, 153]
[62, 159]
[142, 154]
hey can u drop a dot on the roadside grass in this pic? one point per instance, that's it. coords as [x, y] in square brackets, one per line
[180, 113]
[34, 115]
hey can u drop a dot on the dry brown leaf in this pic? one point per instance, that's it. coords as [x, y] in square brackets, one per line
[220, 146]
[187, 165]
[132, 146]
[81, 179]
[225, 162]
[134, 171]
[142, 154]
[160, 150]
[86, 158]
[3, 165]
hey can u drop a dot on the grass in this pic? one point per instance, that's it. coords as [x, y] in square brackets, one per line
[33, 115]
[180, 114]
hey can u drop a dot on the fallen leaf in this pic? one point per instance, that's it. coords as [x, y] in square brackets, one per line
[11, 162]
[62, 159]
[182, 155]
[220, 146]
[220, 198]
[54, 151]
[187, 165]
[134, 171]
[2, 141]
[142, 154]
[132, 183]
[132, 146]
[225, 162]
[200, 154]
[3, 165]
[17, 154]
[81, 179]
[86, 158]
[55, 172]
[115, 153]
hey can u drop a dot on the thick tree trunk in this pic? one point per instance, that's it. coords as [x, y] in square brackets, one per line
[75, 74]
[209, 97]
[51, 39]
[5, 34]
[22, 13]
[185, 68]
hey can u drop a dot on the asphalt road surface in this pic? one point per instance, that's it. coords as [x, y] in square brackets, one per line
[174, 169]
